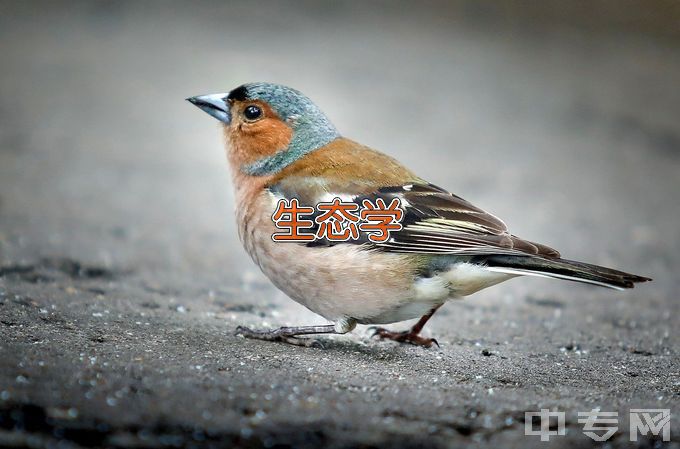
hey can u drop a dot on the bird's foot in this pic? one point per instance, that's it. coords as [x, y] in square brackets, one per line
[277, 335]
[408, 336]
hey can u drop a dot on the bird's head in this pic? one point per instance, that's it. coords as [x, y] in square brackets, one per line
[267, 126]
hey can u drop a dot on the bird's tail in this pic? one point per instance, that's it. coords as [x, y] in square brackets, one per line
[563, 269]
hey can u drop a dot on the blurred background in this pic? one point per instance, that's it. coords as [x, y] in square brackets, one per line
[561, 117]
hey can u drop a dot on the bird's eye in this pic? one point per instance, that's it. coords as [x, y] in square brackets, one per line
[252, 112]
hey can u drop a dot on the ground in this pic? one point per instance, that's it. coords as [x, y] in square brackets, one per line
[122, 279]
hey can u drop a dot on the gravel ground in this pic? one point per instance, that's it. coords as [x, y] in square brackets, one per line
[122, 278]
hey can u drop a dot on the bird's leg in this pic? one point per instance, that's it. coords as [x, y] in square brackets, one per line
[410, 336]
[289, 334]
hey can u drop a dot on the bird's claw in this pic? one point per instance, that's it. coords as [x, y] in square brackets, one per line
[402, 337]
[276, 335]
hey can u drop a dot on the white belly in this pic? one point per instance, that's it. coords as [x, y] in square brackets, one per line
[343, 281]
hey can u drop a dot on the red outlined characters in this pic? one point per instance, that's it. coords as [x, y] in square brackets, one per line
[337, 221]
[380, 220]
[287, 216]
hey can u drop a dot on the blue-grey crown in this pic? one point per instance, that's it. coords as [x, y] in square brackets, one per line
[311, 128]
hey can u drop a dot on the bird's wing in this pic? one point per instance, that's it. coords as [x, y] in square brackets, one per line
[434, 220]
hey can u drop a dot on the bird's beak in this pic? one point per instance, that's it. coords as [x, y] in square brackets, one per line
[213, 104]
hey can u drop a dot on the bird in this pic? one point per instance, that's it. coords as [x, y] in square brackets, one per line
[282, 147]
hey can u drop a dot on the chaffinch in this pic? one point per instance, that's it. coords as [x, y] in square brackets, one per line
[281, 146]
